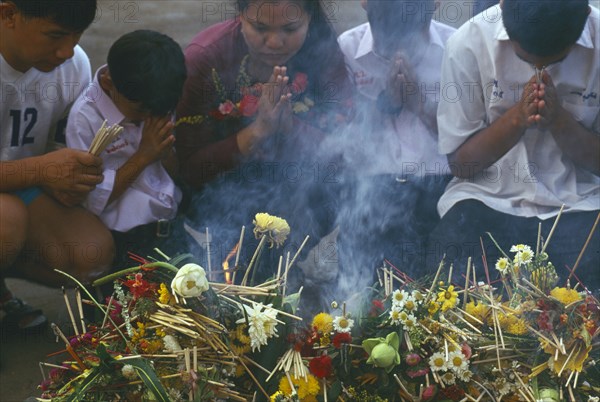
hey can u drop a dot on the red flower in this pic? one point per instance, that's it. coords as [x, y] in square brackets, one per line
[299, 84]
[226, 107]
[321, 366]
[376, 308]
[140, 287]
[429, 392]
[417, 373]
[249, 105]
[341, 338]
[466, 350]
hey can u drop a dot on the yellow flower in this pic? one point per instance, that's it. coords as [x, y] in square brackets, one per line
[305, 388]
[519, 327]
[273, 397]
[323, 322]
[433, 307]
[276, 229]
[240, 342]
[479, 311]
[448, 298]
[164, 294]
[564, 295]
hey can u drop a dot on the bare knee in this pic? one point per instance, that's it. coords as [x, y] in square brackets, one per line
[95, 256]
[13, 228]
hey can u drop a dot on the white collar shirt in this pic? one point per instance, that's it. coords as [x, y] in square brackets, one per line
[400, 144]
[151, 196]
[481, 79]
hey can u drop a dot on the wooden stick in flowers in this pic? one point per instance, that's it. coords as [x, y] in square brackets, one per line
[68, 346]
[80, 309]
[70, 311]
[466, 294]
[263, 239]
[240, 242]
[208, 256]
[587, 242]
[434, 283]
[553, 228]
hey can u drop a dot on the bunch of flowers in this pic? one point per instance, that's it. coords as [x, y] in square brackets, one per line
[169, 334]
[245, 103]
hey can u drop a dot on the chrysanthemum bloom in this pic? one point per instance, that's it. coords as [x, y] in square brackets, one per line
[262, 324]
[409, 322]
[410, 305]
[343, 324]
[277, 229]
[321, 366]
[323, 322]
[565, 296]
[341, 338]
[523, 254]
[307, 389]
[477, 313]
[448, 298]
[395, 313]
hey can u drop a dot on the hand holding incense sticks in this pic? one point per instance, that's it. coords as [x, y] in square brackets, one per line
[104, 136]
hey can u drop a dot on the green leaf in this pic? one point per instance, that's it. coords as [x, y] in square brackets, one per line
[149, 377]
[92, 377]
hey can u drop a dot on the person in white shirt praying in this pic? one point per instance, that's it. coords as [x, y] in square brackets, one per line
[138, 89]
[520, 122]
[395, 60]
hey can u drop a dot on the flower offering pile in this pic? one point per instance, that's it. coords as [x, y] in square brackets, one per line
[167, 333]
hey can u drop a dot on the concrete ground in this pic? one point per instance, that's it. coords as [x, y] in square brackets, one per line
[20, 355]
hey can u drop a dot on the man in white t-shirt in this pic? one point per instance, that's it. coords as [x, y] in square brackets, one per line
[42, 71]
[397, 173]
[520, 122]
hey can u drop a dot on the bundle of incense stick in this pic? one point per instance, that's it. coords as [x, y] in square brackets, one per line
[104, 136]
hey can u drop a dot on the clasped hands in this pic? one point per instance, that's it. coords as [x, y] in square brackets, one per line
[539, 102]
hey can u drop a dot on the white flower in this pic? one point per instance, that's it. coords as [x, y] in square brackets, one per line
[465, 375]
[502, 265]
[523, 254]
[396, 315]
[409, 322]
[399, 297]
[418, 296]
[261, 324]
[171, 344]
[437, 362]
[593, 399]
[190, 281]
[410, 304]
[457, 362]
[448, 378]
[129, 372]
[342, 324]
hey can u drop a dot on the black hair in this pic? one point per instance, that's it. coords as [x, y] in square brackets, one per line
[74, 15]
[148, 67]
[544, 27]
[394, 20]
[320, 54]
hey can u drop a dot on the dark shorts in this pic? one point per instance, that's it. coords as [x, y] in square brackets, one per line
[27, 195]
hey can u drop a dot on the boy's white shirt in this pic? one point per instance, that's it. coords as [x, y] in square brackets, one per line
[482, 78]
[152, 196]
[405, 144]
[33, 103]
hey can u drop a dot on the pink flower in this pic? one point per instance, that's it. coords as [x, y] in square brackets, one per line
[466, 350]
[226, 107]
[299, 84]
[413, 359]
[429, 392]
[418, 373]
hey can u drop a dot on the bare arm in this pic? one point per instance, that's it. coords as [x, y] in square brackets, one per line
[485, 147]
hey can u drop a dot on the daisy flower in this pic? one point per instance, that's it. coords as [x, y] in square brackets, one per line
[457, 362]
[437, 362]
[465, 375]
[417, 296]
[448, 378]
[399, 297]
[409, 322]
[448, 298]
[342, 324]
[395, 313]
[502, 265]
